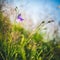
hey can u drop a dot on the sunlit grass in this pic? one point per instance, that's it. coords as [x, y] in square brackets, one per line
[18, 44]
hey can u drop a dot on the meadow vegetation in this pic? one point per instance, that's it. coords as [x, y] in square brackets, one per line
[18, 44]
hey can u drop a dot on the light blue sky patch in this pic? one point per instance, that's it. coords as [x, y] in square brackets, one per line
[39, 9]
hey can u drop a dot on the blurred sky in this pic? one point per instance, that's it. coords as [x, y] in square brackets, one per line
[39, 9]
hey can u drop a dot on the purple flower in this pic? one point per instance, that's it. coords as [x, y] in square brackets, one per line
[19, 17]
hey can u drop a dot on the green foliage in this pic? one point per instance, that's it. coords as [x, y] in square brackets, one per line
[17, 44]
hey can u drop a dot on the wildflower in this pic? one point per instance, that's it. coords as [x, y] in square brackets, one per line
[20, 18]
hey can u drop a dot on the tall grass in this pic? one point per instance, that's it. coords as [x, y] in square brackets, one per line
[18, 44]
